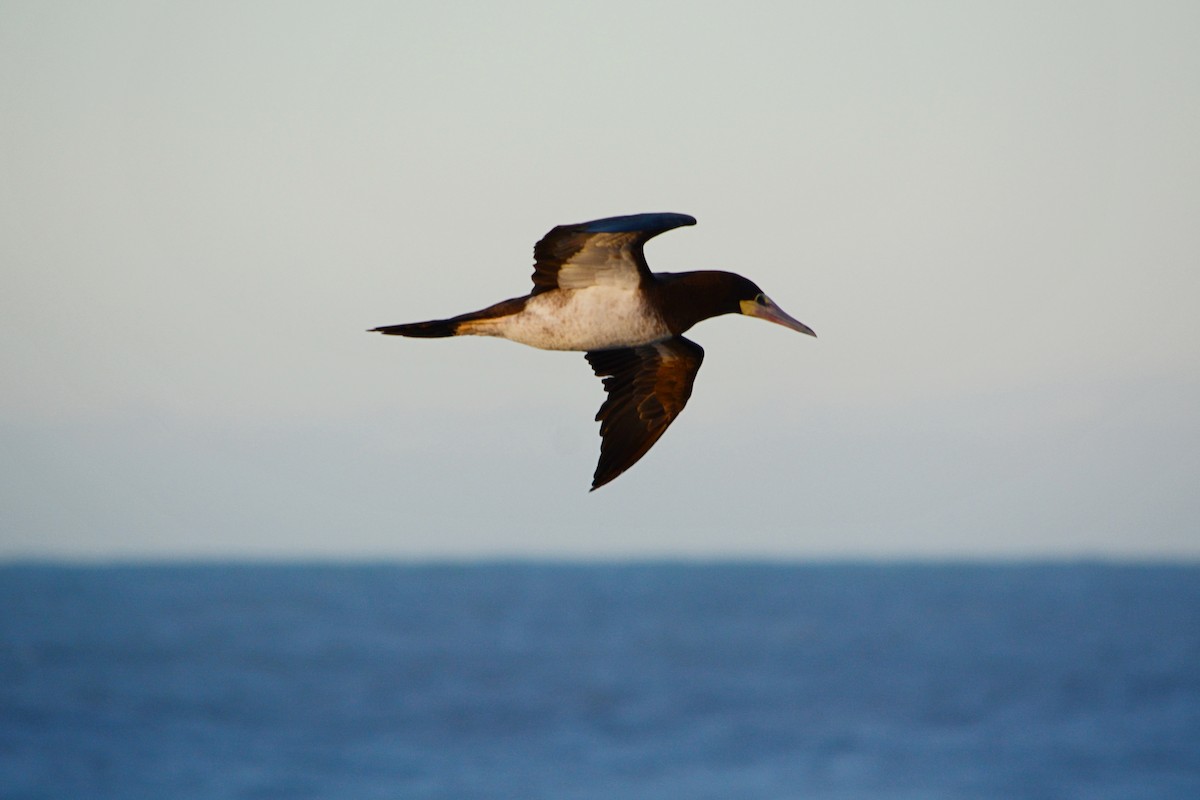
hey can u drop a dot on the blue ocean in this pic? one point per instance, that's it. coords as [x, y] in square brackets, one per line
[727, 681]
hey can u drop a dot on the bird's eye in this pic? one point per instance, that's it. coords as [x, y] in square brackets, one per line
[762, 300]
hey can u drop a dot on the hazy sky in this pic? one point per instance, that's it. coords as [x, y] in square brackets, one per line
[990, 213]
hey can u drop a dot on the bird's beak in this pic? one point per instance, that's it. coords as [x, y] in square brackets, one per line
[773, 313]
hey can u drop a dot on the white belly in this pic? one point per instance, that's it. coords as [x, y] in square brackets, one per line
[595, 318]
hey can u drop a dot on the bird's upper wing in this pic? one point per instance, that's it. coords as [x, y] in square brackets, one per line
[601, 252]
[647, 388]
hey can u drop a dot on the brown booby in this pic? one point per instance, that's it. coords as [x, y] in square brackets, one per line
[593, 291]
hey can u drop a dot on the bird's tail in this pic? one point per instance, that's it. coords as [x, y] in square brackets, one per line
[473, 323]
[433, 329]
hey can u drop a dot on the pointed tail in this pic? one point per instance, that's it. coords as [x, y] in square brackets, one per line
[433, 329]
[455, 326]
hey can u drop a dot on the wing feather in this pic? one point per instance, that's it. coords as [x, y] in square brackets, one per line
[603, 252]
[647, 387]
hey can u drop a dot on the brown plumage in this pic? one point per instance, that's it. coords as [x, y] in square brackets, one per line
[593, 291]
[647, 387]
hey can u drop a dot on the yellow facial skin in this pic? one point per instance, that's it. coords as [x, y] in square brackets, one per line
[762, 307]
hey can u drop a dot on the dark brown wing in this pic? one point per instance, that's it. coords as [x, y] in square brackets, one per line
[601, 252]
[647, 388]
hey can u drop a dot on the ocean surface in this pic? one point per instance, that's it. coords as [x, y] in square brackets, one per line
[600, 682]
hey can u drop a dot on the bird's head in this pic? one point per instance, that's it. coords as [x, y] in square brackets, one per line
[754, 303]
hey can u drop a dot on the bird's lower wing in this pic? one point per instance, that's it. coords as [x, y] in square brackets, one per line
[647, 387]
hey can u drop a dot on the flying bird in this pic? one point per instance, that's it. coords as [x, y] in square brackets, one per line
[593, 291]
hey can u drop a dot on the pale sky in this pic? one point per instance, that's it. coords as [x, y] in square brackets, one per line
[990, 213]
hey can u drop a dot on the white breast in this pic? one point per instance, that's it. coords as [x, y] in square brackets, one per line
[595, 318]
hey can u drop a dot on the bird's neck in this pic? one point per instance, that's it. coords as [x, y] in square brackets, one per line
[686, 298]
